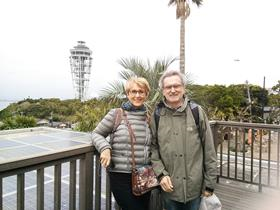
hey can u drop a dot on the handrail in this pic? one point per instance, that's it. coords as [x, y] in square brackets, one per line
[246, 125]
[33, 161]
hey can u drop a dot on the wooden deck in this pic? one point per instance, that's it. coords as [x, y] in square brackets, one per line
[240, 196]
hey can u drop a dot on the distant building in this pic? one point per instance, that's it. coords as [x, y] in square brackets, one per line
[47, 123]
[80, 62]
[43, 122]
[60, 125]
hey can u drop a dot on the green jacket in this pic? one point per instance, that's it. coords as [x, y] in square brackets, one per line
[177, 151]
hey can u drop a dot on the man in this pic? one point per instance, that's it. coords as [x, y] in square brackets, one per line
[183, 154]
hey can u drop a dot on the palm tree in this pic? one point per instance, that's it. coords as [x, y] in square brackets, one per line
[135, 67]
[182, 12]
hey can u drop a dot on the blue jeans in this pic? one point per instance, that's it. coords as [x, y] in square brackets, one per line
[175, 205]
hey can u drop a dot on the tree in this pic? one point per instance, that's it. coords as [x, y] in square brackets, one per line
[276, 87]
[182, 13]
[274, 103]
[274, 100]
[136, 67]
[91, 113]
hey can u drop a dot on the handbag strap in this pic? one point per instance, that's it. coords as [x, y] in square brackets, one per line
[132, 138]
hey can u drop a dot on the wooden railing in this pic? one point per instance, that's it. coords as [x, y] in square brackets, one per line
[81, 157]
[247, 152]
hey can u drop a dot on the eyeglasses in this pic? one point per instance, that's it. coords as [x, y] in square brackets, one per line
[140, 92]
[175, 86]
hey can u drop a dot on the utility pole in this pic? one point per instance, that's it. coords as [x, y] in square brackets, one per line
[263, 97]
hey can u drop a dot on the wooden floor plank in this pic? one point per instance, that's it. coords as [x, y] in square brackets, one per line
[238, 196]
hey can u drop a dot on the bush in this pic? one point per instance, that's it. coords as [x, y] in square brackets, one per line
[18, 122]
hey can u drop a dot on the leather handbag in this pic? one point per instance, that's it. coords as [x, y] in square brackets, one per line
[143, 178]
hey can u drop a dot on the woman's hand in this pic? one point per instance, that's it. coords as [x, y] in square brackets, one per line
[166, 184]
[105, 157]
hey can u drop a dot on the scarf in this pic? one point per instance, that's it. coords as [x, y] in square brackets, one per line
[128, 106]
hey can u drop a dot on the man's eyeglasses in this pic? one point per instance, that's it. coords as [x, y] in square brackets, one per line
[175, 86]
[140, 92]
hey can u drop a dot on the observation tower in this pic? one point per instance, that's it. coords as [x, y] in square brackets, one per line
[80, 62]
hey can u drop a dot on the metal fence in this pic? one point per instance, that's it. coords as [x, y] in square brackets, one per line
[248, 152]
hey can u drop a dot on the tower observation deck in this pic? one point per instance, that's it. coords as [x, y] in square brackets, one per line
[80, 62]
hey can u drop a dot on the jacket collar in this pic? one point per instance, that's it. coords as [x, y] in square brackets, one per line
[179, 109]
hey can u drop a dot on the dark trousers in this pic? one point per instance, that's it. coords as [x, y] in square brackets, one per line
[174, 205]
[121, 189]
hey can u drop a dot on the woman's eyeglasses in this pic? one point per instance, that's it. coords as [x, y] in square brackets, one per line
[139, 92]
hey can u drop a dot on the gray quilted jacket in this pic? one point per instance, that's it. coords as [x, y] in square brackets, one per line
[120, 144]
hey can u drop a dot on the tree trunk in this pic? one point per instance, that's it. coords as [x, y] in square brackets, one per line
[182, 44]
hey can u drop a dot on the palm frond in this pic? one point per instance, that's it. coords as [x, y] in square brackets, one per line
[189, 79]
[137, 67]
[114, 92]
[133, 67]
[126, 74]
[172, 2]
[197, 2]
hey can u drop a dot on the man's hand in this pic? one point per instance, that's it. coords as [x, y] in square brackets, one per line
[166, 184]
[207, 193]
[105, 157]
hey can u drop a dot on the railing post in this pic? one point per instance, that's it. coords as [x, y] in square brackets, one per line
[1, 193]
[260, 162]
[269, 158]
[86, 182]
[57, 187]
[20, 192]
[214, 129]
[97, 189]
[278, 158]
[237, 133]
[108, 193]
[252, 155]
[72, 187]
[243, 153]
[40, 189]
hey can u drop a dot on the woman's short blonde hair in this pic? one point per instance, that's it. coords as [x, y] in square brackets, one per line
[140, 81]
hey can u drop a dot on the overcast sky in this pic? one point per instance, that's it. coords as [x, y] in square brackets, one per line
[36, 36]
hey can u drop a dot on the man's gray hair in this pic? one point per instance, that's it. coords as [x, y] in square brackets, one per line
[170, 73]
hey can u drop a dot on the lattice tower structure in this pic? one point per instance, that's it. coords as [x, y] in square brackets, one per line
[80, 62]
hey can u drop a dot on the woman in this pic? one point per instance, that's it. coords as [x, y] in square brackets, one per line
[116, 154]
